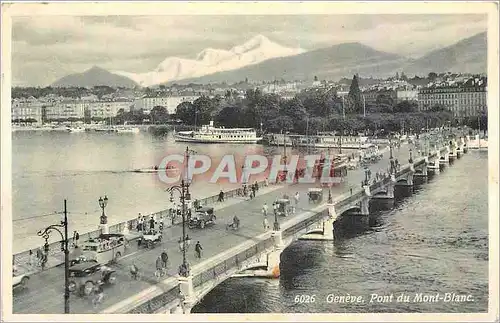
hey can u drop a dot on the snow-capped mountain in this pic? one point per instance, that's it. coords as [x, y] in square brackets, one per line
[210, 60]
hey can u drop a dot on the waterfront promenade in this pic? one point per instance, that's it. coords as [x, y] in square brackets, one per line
[45, 289]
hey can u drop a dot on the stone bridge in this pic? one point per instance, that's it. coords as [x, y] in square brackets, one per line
[259, 256]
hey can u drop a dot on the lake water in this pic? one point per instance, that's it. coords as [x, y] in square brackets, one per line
[433, 242]
[48, 167]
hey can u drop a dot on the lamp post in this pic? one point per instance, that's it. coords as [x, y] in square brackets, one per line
[276, 225]
[45, 233]
[103, 202]
[391, 158]
[284, 150]
[183, 190]
[366, 176]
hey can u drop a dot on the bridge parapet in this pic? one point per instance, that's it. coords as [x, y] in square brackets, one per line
[228, 261]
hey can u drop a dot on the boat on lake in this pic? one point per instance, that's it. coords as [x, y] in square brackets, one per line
[76, 129]
[322, 140]
[156, 169]
[126, 129]
[209, 134]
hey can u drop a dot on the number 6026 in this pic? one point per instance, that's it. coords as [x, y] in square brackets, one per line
[305, 298]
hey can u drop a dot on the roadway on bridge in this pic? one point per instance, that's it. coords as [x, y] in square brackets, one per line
[44, 294]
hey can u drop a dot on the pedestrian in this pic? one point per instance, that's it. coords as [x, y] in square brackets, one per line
[221, 196]
[198, 250]
[32, 261]
[256, 186]
[264, 209]
[134, 271]
[159, 264]
[139, 223]
[164, 260]
[76, 237]
[152, 223]
[39, 256]
[351, 190]
[275, 207]
[266, 224]
[266, 182]
[99, 294]
[297, 198]
[254, 190]
[43, 261]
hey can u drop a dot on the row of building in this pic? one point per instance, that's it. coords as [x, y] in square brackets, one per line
[464, 97]
[43, 111]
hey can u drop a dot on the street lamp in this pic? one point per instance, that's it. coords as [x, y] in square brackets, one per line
[391, 158]
[102, 203]
[45, 233]
[183, 190]
[284, 149]
[366, 176]
[276, 225]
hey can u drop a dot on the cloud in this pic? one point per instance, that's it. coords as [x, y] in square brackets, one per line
[48, 47]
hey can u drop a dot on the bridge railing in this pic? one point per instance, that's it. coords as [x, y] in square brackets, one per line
[348, 200]
[220, 265]
[158, 302]
[305, 223]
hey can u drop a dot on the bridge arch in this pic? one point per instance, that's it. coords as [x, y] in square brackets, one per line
[354, 209]
[402, 181]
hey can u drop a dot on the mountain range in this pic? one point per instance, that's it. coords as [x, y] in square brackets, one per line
[210, 60]
[260, 59]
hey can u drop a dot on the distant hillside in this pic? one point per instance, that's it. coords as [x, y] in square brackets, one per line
[334, 62]
[467, 56]
[94, 77]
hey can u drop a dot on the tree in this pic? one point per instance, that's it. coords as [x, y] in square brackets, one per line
[315, 78]
[295, 110]
[432, 76]
[355, 96]
[204, 108]
[406, 106]
[437, 108]
[159, 114]
[280, 123]
[231, 116]
[384, 98]
[185, 112]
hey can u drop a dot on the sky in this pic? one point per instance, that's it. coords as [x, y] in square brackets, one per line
[47, 48]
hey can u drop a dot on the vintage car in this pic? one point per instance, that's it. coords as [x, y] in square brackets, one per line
[284, 207]
[84, 276]
[150, 238]
[315, 195]
[203, 216]
[104, 249]
[19, 280]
